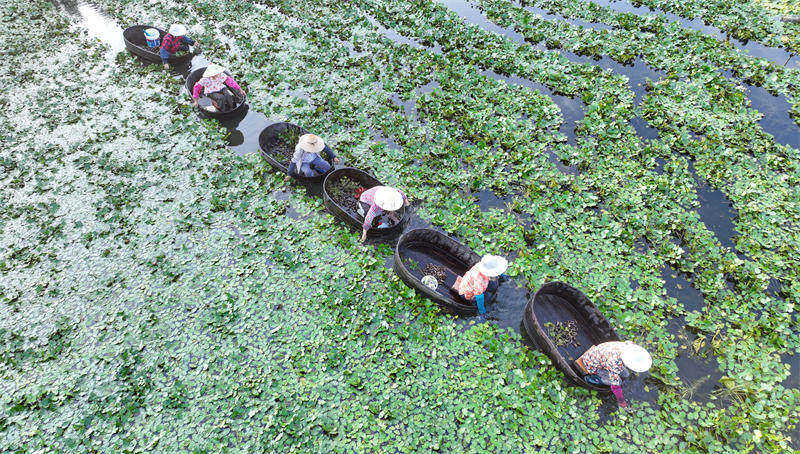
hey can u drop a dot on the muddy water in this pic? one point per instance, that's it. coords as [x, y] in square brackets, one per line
[754, 48]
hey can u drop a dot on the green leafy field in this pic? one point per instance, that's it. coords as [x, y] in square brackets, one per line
[161, 294]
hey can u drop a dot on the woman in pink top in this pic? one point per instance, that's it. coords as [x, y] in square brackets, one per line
[374, 201]
[474, 283]
[216, 85]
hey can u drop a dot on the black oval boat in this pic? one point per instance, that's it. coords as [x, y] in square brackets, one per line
[350, 216]
[419, 247]
[559, 302]
[284, 134]
[136, 45]
[194, 77]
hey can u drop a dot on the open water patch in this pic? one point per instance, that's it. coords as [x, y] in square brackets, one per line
[716, 211]
[243, 131]
[679, 287]
[98, 25]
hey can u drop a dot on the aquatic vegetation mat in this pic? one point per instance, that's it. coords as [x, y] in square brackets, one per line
[161, 293]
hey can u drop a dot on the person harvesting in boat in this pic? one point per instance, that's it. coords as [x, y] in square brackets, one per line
[608, 363]
[374, 201]
[473, 285]
[218, 87]
[307, 161]
[174, 41]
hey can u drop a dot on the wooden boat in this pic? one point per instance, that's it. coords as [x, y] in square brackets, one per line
[350, 216]
[136, 45]
[287, 133]
[559, 302]
[419, 247]
[194, 77]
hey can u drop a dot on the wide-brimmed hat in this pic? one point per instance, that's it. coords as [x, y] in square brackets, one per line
[389, 199]
[636, 358]
[492, 265]
[213, 69]
[311, 143]
[177, 29]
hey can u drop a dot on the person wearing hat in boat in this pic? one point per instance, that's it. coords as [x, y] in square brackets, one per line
[216, 85]
[608, 363]
[173, 42]
[307, 161]
[375, 201]
[475, 282]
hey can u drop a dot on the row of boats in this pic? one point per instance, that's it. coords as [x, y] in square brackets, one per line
[419, 248]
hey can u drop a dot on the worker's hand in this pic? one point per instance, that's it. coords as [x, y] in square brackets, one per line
[363, 235]
[407, 203]
[336, 160]
[166, 65]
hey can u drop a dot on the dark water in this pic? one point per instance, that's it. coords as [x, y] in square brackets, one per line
[776, 120]
[488, 200]
[243, 131]
[678, 286]
[473, 15]
[754, 48]
[697, 366]
[716, 211]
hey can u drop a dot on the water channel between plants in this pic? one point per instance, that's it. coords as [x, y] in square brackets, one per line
[699, 373]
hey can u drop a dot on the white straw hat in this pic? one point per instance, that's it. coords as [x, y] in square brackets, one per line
[177, 30]
[389, 199]
[311, 143]
[213, 69]
[492, 265]
[636, 358]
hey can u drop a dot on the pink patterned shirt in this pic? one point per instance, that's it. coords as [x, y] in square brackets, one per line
[368, 197]
[473, 283]
[213, 84]
[605, 357]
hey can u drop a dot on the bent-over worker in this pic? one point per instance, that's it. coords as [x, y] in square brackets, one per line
[216, 85]
[374, 201]
[608, 363]
[174, 41]
[473, 285]
[307, 161]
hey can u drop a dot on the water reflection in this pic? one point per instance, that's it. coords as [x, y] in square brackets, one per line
[97, 25]
[754, 48]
